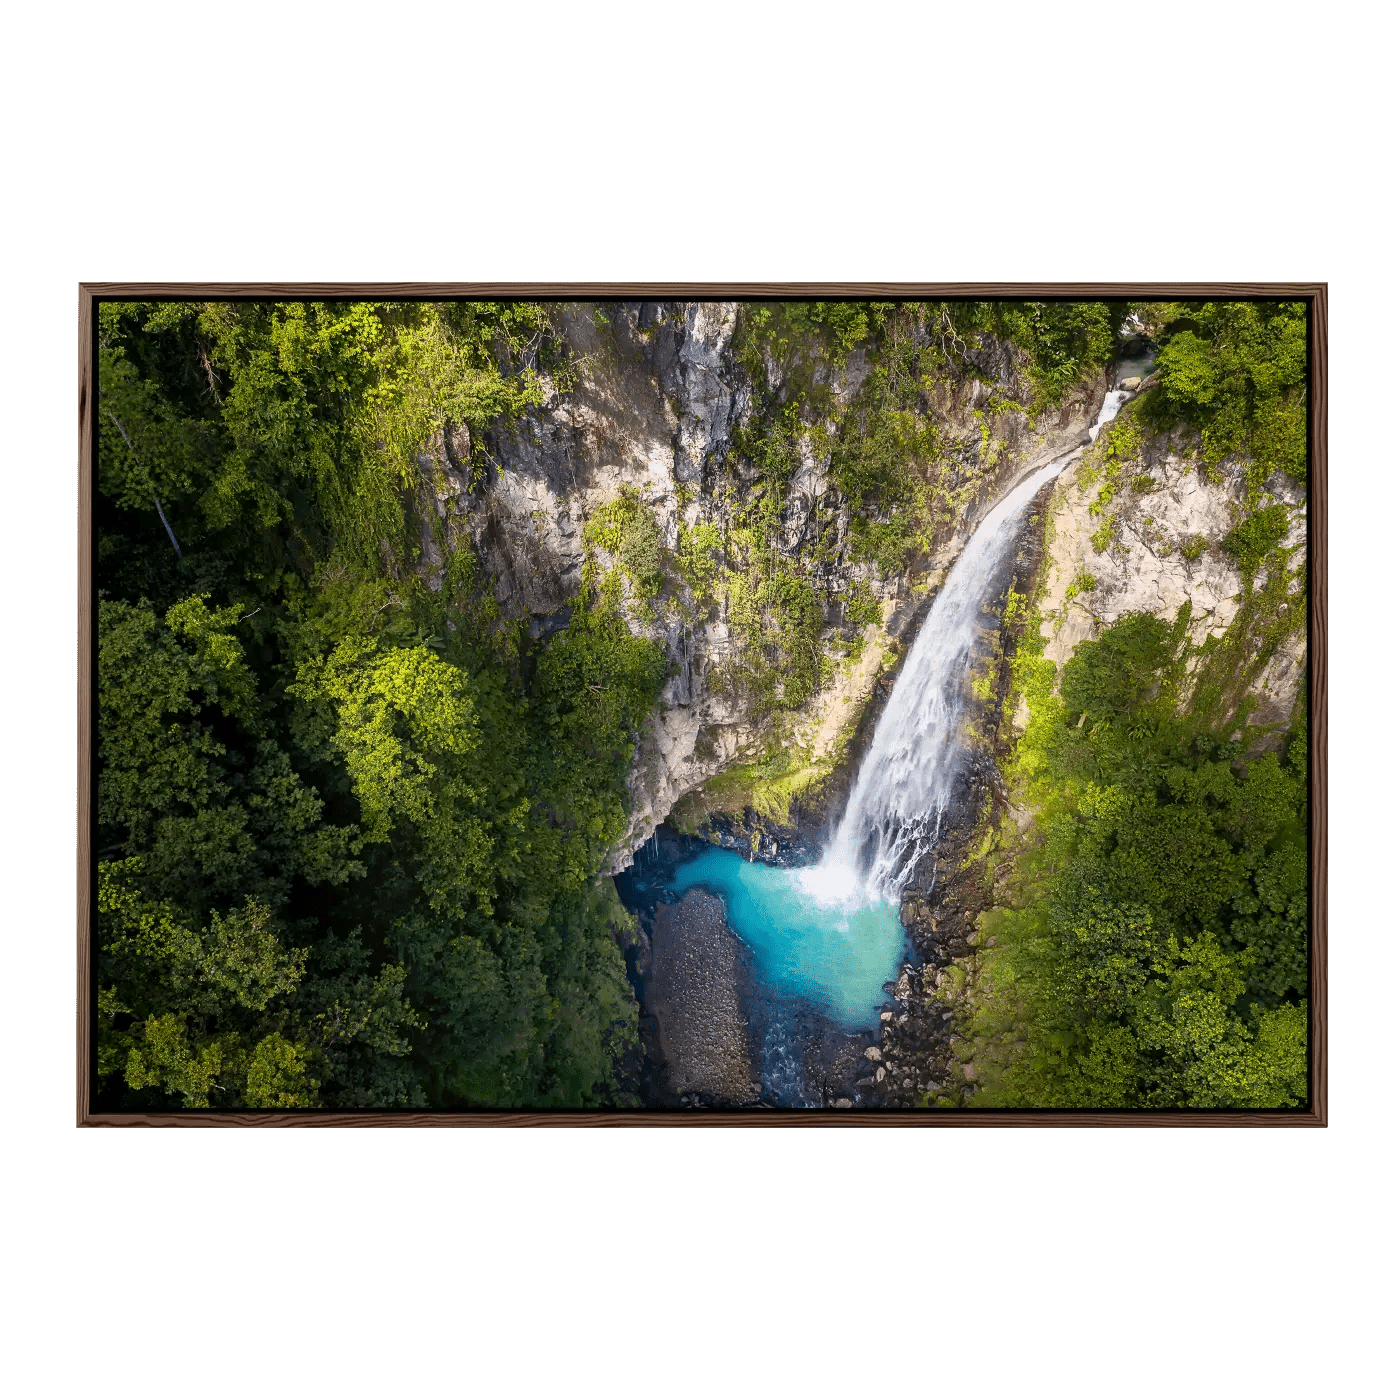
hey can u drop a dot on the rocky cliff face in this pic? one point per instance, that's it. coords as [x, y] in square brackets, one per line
[1158, 544]
[658, 397]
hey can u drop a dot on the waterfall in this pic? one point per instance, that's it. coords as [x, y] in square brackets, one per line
[902, 791]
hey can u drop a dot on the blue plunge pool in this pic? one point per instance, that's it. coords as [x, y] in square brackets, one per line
[813, 936]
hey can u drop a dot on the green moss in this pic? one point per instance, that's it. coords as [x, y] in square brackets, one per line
[626, 528]
[774, 607]
[862, 607]
[1064, 341]
[698, 554]
[801, 341]
[1269, 614]
[767, 787]
[1107, 460]
[1252, 539]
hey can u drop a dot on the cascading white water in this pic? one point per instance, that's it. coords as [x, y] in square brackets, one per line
[1112, 402]
[904, 784]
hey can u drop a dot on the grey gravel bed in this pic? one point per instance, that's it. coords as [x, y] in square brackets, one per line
[694, 993]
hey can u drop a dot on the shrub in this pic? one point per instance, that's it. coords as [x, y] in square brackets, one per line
[1255, 536]
[627, 529]
[1083, 582]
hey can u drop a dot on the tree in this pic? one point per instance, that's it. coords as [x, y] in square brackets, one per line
[357, 820]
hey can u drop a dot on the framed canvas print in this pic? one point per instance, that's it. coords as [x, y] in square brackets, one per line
[760, 704]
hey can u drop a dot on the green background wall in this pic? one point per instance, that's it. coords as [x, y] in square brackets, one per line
[716, 142]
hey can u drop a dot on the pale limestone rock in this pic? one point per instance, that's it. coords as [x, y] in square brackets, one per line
[1144, 567]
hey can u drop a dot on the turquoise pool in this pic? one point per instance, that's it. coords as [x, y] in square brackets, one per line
[836, 950]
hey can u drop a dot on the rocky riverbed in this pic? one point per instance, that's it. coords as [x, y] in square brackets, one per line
[694, 992]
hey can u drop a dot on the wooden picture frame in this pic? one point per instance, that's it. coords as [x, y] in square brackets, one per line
[1314, 295]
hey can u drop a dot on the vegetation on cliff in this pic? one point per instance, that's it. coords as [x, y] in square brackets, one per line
[826, 491]
[1236, 372]
[894, 467]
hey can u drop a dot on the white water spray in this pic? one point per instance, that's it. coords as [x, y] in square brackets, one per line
[902, 791]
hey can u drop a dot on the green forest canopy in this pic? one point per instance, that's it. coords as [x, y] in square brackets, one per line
[350, 826]
[349, 835]
[1151, 951]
